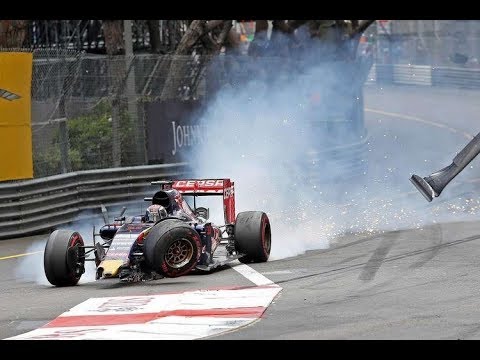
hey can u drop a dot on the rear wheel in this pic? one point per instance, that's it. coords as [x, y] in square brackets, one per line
[172, 248]
[253, 236]
[64, 258]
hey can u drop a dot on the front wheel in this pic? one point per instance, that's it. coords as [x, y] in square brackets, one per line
[253, 236]
[64, 258]
[172, 248]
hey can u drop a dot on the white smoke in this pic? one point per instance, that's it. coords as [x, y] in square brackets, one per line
[30, 267]
[259, 136]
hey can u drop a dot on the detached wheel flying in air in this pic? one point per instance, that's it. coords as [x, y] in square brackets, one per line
[64, 258]
[253, 236]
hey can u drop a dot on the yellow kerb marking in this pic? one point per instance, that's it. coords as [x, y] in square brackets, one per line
[20, 255]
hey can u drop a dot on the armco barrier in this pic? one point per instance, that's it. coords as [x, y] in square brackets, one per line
[422, 75]
[383, 74]
[457, 77]
[37, 205]
[412, 75]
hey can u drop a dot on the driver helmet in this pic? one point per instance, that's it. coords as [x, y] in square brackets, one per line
[155, 213]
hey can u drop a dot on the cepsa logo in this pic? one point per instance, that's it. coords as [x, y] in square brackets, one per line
[7, 95]
[191, 183]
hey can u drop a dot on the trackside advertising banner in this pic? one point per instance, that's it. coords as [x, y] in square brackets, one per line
[15, 116]
[172, 130]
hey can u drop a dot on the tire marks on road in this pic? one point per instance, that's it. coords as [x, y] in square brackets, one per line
[404, 255]
[378, 257]
[351, 258]
[437, 236]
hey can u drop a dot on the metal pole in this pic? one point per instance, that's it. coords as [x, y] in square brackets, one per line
[161, 31]
[131, 96]
[63, 129]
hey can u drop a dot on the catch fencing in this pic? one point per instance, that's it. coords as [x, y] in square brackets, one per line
[87, 110]
[90, 111]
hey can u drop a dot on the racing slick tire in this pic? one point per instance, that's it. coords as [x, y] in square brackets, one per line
[64, 258]
[172, 248]
[253, 236]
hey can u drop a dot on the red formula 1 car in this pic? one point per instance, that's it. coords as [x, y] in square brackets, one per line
[170, 239]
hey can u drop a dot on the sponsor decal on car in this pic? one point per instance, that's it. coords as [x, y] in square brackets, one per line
[199, 183]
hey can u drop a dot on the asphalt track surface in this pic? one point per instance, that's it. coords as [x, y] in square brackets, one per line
[414, 282]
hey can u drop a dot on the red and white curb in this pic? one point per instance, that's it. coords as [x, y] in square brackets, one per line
[188, 315]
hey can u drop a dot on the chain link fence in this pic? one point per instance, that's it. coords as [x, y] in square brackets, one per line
[87, 110]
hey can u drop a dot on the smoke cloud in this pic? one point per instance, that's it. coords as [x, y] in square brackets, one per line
[261, 132]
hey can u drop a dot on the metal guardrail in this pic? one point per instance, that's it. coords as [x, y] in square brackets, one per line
[37, 205]
[372, 75]
[414, 75]
[464, 78]
[422, 75]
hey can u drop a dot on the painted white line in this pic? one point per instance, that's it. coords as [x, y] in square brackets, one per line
[425, 121]
[284, 272]
[253, 275]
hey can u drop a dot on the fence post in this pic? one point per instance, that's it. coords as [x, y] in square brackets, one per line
[63, 129]
[130, 93]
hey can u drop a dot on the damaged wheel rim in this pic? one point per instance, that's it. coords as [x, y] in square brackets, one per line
[179, 253]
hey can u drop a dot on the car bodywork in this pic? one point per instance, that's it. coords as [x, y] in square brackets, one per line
[135, 250]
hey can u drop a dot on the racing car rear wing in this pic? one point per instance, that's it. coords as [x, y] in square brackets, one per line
[205, 187]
